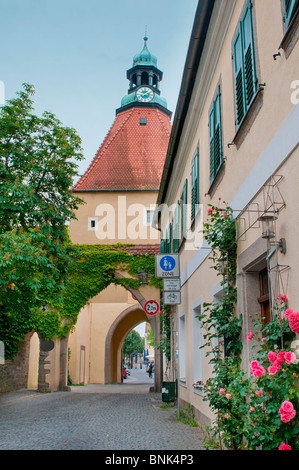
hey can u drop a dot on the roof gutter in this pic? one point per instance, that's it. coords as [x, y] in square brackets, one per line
[196, 45]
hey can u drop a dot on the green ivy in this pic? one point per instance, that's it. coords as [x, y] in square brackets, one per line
[92, 269]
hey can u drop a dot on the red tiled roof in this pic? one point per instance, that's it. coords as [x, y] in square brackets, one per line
[131, 156]
[142, 249]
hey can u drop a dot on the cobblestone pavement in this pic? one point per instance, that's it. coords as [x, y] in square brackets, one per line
[93, 417]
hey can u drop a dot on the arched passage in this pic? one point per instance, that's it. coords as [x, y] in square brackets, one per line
[118, 331]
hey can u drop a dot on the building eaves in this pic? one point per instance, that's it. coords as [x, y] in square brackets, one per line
[197, 40]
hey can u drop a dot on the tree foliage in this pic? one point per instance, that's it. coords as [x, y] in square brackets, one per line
[38, 161]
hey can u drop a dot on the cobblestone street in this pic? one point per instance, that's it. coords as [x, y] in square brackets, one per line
[93, 417]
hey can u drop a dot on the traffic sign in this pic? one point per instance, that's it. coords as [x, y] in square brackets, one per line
[172, 298]
[171, 284]
[167, 265]
[151, 307]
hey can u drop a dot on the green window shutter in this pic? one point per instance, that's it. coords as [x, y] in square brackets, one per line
[245, 78]
[162, 246]
[176, 228]
[290, 7]
[169, 239]
[239, 77]
[184, 208]
[194, 184]
[211, 139]
[215, 134]
[249, 56]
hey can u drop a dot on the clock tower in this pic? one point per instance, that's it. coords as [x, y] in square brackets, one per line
[144, 77]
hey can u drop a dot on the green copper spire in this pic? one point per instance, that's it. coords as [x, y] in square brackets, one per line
[145, 57]
[144, 77]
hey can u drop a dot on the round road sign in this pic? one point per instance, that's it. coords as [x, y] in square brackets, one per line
[151, 307]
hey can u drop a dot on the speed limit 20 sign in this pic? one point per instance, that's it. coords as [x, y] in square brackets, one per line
[151, 307]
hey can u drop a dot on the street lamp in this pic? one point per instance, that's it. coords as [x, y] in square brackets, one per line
[268, 230]
[143, 277]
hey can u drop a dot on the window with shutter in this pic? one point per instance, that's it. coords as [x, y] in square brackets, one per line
[168, 241]
[245, 78]
[184, 209]
[215, 136]
[195, 185]
[290, 6]
[176, 228]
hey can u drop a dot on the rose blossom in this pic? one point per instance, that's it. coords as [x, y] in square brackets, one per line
[283, 298]
[294, 321]
[272, 370]
[222, 390]
[254, 364]
[228, 395]
[290, 357]
[249, 336]
[287, 411]
[288, 311]
[284, 446]
[280, 356]
[271, 356]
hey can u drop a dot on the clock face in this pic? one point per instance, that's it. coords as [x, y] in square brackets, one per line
[145, 94]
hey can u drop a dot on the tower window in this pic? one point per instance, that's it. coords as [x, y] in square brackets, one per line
[143, 121]
[144, 78]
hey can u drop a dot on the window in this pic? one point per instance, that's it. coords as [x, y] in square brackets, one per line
[92, 223]
[176, 228]
[183, 207]
[290, 7]
[143, 121]
[148, 216]
[245, 79]
[215, 138]
[182, 347]
[166, 245]
[195, 185]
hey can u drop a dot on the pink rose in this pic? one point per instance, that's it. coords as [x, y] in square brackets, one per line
[254, 364]
[249, 336]
[272, 370]
[294, 321]
[288, 311]
[210, 210]
[259, 392]
[290, 357]
[287, 411]
[228, 396]
[225, 214]
[284, 446]
[271, 356]
[283, 298]
[222, 390]
[280, 357]
[259, 371]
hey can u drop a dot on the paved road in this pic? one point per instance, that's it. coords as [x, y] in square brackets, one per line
[93, 417]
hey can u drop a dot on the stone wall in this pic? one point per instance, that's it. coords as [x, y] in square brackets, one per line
[14, 374]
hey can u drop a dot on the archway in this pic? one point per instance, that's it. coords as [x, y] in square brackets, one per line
[118, 331]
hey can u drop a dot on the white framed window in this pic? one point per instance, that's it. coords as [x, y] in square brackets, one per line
[92, 223]
[197, 342]
[182, 347]
[148, 215]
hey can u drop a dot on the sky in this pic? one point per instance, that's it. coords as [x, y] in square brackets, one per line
[76, 54]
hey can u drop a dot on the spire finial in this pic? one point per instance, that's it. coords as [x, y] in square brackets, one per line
[145, 36]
